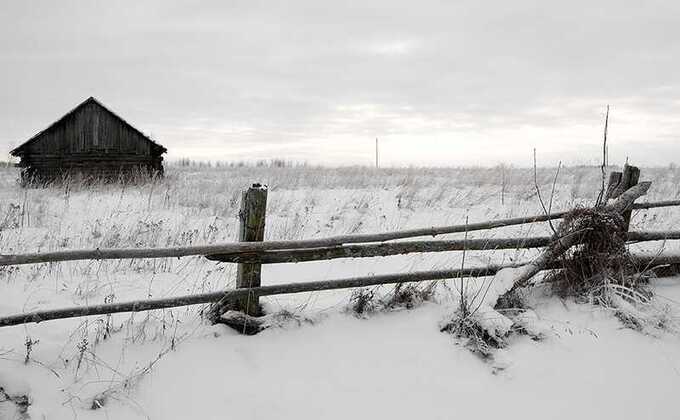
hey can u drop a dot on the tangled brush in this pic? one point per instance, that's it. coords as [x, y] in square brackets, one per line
[600, 258]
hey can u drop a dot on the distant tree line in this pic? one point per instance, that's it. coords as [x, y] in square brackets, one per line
[262, 163]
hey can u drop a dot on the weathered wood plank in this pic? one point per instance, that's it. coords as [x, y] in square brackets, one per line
[290, 288]
[89, 138]
[614, 180]
[409, 247]
[378, 250]
[233, 295]
[631, 176]
[251, 229]
[226, 248]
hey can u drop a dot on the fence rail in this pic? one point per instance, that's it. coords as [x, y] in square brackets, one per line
[249, 256]
[237, 294]
[245, 248]
[645, 261]
[409, 247]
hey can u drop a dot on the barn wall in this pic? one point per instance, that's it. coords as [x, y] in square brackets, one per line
[90, 140]
[90, 130]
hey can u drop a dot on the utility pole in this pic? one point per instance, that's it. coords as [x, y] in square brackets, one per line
[377, 165]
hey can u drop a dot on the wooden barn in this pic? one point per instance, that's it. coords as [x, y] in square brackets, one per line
[91, 141]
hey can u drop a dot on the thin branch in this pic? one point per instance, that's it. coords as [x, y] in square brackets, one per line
[538, 193]
[552, 191]
[463, 298]
[601, 196]
[552, 194]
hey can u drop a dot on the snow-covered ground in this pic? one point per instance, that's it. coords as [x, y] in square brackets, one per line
[325, 362]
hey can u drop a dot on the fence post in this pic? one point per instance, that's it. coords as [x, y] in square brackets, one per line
[251, 229]
[631, 176]
[612, 185]
[620, 182]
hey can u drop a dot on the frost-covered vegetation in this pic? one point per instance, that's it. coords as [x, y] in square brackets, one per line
[170, 364]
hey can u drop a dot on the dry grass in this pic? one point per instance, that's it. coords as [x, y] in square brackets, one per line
[366, 301]
[199, 205]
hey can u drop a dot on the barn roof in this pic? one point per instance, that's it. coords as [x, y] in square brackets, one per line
[16, 151]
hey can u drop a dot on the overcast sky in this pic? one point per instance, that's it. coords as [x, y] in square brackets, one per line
[439, 83]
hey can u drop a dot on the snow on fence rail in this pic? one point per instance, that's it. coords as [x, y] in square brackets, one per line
[250, 249]
[253, 252]
[236, 294]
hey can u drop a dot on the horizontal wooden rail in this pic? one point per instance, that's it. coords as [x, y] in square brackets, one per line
[642, 261]
[243, 247]
[408, 247]
[653, 236]
[232, 295]
[656, 204]
[378, 250]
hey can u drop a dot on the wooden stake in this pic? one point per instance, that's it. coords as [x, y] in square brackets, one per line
[612, 185]
[631, 176]
[251, 229]
[252, 217]
[628, 178]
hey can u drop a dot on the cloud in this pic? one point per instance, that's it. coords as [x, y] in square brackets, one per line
[389, 48]
[318, 81]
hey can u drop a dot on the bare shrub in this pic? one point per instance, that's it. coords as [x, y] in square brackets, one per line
[475, 338]
[408, 296]
[600, 257]
[364, 302]
[21, 402]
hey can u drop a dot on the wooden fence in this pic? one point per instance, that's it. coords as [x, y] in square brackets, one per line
[252, 251]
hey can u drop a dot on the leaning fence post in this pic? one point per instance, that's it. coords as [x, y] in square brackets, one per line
[251, 229]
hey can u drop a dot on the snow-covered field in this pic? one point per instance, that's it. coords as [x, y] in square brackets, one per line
[325, 362]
